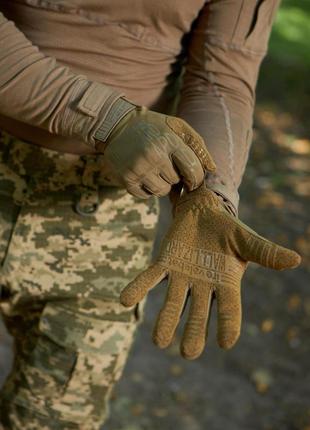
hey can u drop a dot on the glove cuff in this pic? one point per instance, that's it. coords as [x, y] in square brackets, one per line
[227, 203]
[229, 194]
[120, 108]
[200, 198]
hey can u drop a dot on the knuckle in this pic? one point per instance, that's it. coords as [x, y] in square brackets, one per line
[137, 192]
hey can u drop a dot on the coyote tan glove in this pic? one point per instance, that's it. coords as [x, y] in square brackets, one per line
[205, 253]
[147, 152]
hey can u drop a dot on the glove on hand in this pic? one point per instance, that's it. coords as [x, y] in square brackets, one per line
[205, 253]
[147, 151]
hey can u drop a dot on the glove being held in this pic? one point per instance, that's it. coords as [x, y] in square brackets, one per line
[204, 254]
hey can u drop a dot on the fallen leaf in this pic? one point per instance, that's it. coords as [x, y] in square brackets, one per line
[301, 146]
[294, 302]
[302, 245]
[181, 396]
[262, 379]
[176, 370]
[267, 325]
[137, 409]
[270, 198]
[292, 336]
[160, 412]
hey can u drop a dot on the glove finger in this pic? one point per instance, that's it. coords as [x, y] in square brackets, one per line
[193, 140]
[170, 313]
[156, 185]
[267, 253]
[195, 332]
[168, 173]
[228, 315]
[136, 191]
[137, 289]
[189, 167]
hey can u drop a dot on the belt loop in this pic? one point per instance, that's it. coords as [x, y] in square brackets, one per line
[88, 200]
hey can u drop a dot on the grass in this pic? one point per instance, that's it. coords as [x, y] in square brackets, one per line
[284, 79]
[290, 41]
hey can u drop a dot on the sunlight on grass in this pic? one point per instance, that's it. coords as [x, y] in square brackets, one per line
[291, 34]
[293, 24]
[284, 84]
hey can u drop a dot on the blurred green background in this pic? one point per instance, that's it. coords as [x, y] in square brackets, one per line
[285, 75]
[291, 34]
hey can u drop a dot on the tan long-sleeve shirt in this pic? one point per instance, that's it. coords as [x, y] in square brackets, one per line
[198, 59]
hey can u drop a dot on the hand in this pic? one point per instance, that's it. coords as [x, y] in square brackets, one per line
[204, 254]
[148, 152]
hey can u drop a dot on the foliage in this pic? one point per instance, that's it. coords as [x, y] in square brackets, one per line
[290, 42]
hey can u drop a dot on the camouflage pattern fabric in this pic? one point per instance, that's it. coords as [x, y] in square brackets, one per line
[69, 243]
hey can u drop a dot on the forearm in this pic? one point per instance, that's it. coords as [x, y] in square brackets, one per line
[227, 47]
[226, 126]
[36, 90]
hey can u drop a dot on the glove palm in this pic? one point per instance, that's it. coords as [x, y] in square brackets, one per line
[204, 253]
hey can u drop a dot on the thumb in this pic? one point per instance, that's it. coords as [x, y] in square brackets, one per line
[259, 250]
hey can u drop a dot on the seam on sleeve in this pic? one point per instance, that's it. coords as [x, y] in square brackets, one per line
[234, 46]
[229, 134]
[246, 149]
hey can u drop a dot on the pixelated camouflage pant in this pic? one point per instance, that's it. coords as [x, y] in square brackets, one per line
[68, 245]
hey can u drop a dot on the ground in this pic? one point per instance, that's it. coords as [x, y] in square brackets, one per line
[263, 382]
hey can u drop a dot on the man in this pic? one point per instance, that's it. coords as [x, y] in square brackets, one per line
[81, 162]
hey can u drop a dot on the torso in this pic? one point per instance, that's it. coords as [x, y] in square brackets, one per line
[132, 45]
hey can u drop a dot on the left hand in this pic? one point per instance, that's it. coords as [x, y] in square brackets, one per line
[148, 152]
[204, 254]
